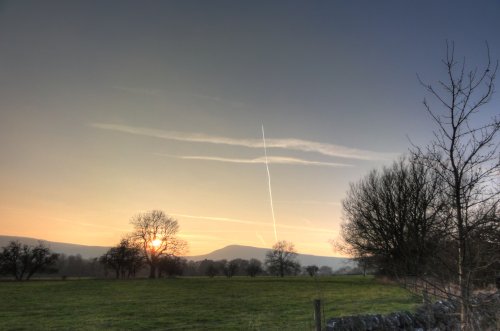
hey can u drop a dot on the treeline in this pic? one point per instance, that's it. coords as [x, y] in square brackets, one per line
[177, 266]
[242, 267]
[152, 250]
[23, 265]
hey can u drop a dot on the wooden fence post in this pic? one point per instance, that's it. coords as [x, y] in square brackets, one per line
[317, 314]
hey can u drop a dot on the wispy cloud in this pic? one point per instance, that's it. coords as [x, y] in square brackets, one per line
[218, 219]
[259, 160]
[255, 223]
[286, 143]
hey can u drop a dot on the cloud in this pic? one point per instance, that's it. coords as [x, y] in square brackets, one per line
[287, 143]
[259, 160]
[247, 222]
[219, 219]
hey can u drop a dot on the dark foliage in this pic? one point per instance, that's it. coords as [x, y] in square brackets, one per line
[395, 218]
[23, 261]
[312, 270]
[282, 259]
[254, 267]
[231, 267]
[125, 259]
[172, 266]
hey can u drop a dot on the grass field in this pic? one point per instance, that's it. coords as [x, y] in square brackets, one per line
[263, 303]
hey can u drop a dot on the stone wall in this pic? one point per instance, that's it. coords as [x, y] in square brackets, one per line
[439, 316]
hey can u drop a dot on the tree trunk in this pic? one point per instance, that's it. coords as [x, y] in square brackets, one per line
[152, 271]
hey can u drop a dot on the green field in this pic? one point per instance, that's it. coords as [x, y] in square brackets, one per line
[240, 303]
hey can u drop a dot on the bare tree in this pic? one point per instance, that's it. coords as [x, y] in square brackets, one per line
[312, 270]
[282, 259]
[231, 267]
[464, 153]
[394, 219]
[23, 261]
[156, 233]
[125, 259]
[254, 267]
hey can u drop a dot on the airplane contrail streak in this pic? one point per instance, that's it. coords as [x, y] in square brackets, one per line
[269, 183]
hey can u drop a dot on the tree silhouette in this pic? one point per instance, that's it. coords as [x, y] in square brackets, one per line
[312, 270]
[254, 267]
[395, 218]
[23, 261]
[125, 259]
[464, 152]
[281, 260]
[172, 265]
[156, 233]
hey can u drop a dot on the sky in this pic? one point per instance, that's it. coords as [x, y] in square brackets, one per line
[113, 108]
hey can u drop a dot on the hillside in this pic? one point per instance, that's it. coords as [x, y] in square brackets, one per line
[228, 253]
[249, 252]
[57, 247]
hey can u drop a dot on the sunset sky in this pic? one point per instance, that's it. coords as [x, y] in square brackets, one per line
[111, 108]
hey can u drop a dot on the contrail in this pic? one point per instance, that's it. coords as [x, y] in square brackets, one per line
[269, 182]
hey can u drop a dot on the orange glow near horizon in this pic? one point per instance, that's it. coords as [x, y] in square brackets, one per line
[203, 234]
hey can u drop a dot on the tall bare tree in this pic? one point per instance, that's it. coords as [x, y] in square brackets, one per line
[465, 154]
[156, 233]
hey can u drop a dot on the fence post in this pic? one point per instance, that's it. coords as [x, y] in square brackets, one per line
[317, 314]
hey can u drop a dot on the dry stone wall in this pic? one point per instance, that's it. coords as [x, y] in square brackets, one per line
[439, 316]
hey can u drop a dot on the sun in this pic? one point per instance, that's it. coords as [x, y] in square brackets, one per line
[156, 243]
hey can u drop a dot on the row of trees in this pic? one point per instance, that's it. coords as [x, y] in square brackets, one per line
[126, 259]
[436, 214]
[152, 245]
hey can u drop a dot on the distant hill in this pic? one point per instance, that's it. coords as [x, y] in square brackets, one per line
[57, 247]
[249, 252]
[227, 253]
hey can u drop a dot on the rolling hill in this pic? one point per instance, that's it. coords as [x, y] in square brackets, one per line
[57, 247]
[228, 253]
[249, 252]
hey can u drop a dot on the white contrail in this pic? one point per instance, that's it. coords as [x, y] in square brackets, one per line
[269, 182]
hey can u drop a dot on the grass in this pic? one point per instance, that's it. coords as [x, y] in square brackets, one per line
[240, 303]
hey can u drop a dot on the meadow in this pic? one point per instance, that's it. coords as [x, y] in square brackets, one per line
[197, 303]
